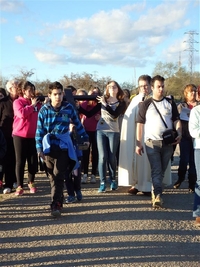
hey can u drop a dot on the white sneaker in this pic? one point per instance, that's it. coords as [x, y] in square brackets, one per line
[7, 191]
[93, 179]
[15, 185]
[84, 179]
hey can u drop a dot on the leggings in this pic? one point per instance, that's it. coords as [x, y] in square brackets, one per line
[25, 149]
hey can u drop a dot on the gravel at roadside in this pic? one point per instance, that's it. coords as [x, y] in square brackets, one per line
[110, 229]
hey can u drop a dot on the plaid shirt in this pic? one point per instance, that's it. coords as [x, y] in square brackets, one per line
[57, 122]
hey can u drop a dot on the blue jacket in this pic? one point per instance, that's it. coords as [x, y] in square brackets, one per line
[65, 143]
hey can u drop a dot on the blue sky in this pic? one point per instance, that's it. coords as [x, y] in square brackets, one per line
[119, 38]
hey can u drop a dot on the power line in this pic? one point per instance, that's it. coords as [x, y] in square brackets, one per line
[191, 50]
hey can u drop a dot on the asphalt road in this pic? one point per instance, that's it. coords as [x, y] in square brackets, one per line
[111, 229]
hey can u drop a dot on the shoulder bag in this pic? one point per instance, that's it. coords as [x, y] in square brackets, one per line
[169, 136]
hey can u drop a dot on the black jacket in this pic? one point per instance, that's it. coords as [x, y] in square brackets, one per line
[6, 116]
[3, 146]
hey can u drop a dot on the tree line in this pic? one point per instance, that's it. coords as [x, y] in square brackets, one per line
[176, 78]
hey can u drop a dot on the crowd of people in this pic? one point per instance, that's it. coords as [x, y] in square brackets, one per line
[110, 131]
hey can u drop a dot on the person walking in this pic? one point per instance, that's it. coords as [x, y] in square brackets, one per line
[108, 135]
[73, 179]
[6, 124]
[54, 144]
[26, 108]
[89, 122]
[186, 144]
[133, 169]
[161, 113]
[194, 129]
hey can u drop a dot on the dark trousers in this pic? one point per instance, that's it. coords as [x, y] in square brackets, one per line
[187, 157]
[25, 150]
[73, 182]
[86, 154]
[8, 164]
[57, 163]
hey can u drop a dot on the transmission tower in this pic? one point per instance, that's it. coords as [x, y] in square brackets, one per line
[191, 49]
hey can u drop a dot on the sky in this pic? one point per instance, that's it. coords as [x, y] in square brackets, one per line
[122, 39]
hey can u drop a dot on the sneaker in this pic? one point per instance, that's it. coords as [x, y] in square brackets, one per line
[32, 188]
[15, 185]
[93, 179]
[102, 188]
[158, 202]
[7, 190]
[70, 199]
[19, 191]
[79, 195]
[113, 185]
[84, 179]
[56, 209]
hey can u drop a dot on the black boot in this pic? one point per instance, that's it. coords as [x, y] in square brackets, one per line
[181, 178]
[192, 178]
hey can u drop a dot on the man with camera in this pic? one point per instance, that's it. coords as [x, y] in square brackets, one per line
[156, 115]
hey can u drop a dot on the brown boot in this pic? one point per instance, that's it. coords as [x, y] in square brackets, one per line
[197, 221]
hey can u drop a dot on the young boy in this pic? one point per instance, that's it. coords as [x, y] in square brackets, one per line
[54, 144]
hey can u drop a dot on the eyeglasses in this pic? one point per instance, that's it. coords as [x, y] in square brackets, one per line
[143, 86]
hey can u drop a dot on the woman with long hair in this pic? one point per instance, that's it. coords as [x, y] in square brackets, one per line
[26, 108]
[108, 133]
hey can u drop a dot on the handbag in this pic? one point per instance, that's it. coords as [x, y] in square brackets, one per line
[169, 136]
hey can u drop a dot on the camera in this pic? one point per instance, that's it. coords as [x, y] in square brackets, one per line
[41, 98]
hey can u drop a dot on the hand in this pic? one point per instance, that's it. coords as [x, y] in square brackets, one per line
[34, 101]
[139, 150]
[178, 140]
[99, 99]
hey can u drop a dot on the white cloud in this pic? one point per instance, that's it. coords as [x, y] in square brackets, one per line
[134, 7]
[11, 6]
[176, 51]
[19, 39]
[116, 37]
[50, 57]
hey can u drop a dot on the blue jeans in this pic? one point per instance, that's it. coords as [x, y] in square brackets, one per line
[196, 209]
[159, 156]
[107, 144]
